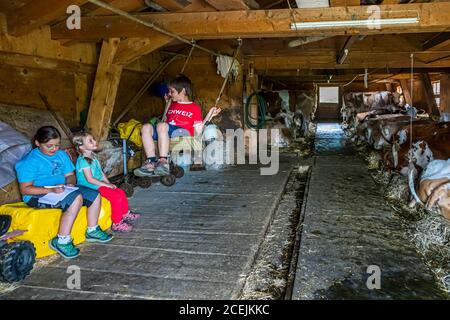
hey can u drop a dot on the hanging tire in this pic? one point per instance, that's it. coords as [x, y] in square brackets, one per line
[16, 260]
[128, 188]
[178, 172]
[168, 180]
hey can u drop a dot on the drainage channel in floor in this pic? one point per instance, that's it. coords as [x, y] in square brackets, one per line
[273, 272]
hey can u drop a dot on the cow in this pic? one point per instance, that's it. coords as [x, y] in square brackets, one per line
[379, 129]
[434, 187]
[423, 134]
[421, 152]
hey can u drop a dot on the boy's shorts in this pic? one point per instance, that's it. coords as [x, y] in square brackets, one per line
[172, 129]
[89, 196]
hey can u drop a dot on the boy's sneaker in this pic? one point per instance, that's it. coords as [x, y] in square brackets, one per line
[162, 168]
[146, 170]
[98, 235]
[68, 251]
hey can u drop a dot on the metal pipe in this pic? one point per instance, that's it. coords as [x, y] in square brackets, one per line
[150, 25]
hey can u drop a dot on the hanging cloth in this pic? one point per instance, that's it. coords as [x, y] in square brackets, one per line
[224, 64]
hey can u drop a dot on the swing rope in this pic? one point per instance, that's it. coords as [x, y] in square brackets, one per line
[169, 102]
[411, 167]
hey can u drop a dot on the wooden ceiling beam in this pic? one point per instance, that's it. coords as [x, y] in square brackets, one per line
[360, 60]
[226, 5]
[125, 5]
[259, 23]
[440, 40]
[173, 5]
[38, 13]
[133, 48]
[344, 3]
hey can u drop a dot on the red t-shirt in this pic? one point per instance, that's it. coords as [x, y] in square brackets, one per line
[186, 115]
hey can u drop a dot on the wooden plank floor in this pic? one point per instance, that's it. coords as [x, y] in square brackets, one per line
[195, 240]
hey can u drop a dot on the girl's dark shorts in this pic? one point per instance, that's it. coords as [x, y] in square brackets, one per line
[89, 196]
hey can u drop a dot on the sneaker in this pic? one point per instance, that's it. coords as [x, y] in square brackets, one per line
[122, 226]
[68, 250]
[162, 168]
[98, 235]
[146, 170]
[131, 216]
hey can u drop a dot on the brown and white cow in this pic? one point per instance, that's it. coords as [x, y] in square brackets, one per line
[434, 187]
[422, 152]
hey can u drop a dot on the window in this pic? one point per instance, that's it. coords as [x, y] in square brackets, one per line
[437, 91]
[329, 95]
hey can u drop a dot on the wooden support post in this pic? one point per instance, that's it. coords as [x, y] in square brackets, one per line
[104, 93]
[429, 95]
[406, 91]
[81, 94]
[445, 93]
[389, 86]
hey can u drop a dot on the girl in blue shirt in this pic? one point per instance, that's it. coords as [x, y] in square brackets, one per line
[47, 169]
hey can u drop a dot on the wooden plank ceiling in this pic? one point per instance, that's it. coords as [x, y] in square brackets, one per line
[269, 43]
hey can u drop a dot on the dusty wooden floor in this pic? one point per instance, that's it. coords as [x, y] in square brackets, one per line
[195, 240]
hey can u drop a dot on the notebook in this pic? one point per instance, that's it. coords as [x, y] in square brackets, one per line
[53, 198]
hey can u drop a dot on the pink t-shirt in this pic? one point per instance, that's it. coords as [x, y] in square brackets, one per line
[186, 115]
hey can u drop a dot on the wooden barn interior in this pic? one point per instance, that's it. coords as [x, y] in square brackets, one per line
[93, 64]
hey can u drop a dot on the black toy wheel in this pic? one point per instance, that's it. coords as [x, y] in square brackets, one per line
[143, 182]
[177, 171]
[168, 180]
[128, 188]
[16, 260]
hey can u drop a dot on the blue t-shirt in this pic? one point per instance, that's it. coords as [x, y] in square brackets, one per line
[96, 171]
[43, 170]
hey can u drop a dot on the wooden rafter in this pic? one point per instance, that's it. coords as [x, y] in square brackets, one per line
[440, 40]
[125, 5]
[233, 4]
[173, 5]
[38, 13]
[133, 48]
[358, 60]
[344, 3]
[259, 23]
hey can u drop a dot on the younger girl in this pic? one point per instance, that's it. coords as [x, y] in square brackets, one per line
[48, 169]
[90, 174]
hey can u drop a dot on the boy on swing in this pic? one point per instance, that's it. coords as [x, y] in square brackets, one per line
[181, 114]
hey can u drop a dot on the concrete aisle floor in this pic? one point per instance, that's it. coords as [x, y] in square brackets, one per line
[195, 240]
[348, 227]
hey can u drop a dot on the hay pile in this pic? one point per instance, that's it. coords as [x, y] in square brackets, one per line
[431, 236]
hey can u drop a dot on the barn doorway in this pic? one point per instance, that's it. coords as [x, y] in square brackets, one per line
[329, 104]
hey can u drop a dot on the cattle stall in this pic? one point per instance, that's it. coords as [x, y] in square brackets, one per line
[224, 150]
